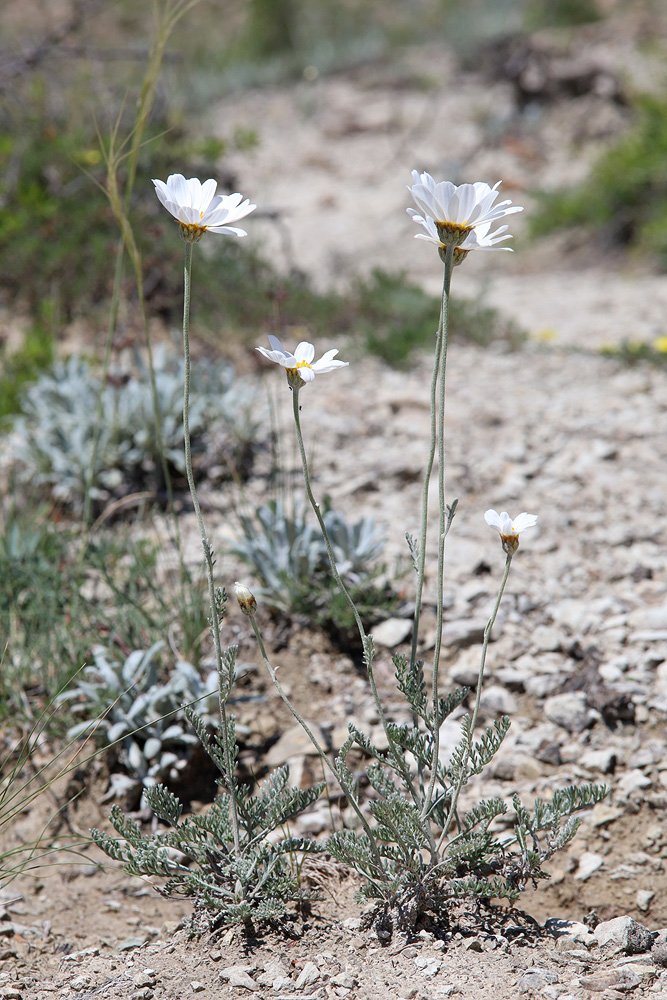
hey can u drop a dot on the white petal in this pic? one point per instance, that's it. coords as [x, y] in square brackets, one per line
[326, 357]
[207, 194]
[524, 521]
[492, 517]
[329, 366]
[304, 352]
[162, 191]
[227, 230]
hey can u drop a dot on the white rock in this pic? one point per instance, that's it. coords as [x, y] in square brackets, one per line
[569, 711]
[602, 761]
[238, 975]
[496, 700]
[546, 639]
[644, 897]
[627, 934]
[392, 632]
[308, 975]
[536, 978]
[588, 863]
[631, 782]
[649, 618]
[282, 983]
[345, 980]
[294, 743]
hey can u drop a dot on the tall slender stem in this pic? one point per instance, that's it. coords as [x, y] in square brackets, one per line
[208, 552]
[442, 524]
[421, 566]
[397, 758]
[349, 793]
[318, 514]
[480, 678]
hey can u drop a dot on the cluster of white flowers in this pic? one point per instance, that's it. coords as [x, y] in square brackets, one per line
[459, 217]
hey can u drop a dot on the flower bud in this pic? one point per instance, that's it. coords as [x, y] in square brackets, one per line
[246, 599]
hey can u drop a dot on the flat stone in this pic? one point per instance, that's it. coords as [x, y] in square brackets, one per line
[627, 934]
[644, 897]
[465, 632]
[588, 863]
[603, 814]
[294, 743]
[602, 761]
[146, 977]
[308, 975]
[569, 711]
[196, 986]
[496, 701]
[615, 979]
[536, 978]
[130, 943]
[238, 975]
[344, 979]
[465, 672]
[392, 632]
[546, 639]
[649, 618]
[631, 782]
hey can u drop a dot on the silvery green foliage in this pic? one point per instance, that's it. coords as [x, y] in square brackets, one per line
[124, 703]
[405, 869]
[289, 558]
[196, 856]
[54, 440]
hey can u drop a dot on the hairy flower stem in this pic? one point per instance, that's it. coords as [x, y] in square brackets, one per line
[208, 552]
[349, 793]
[480, 678]
[397, 758]
[442, 524]
[332, 559]
[427, 480]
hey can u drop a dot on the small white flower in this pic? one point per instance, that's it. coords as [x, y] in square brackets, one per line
[300, 365]
[458, 211]
[199, 210]
[508, 529]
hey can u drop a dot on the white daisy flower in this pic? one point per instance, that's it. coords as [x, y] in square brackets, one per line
[477, 239]
[457, 211]
[198, 209]
[508, 529]
[300, 365]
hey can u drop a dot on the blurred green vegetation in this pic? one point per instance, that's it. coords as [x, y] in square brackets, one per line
[24, 366]
[559, 13]
[396, 317]
[633, 351]
[625, 195]
[55, 605]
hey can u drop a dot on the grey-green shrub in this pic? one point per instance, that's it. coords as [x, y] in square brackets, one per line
[124, 704]
[54, 440]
